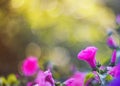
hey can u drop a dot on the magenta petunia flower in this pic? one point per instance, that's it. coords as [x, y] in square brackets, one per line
[111, 42]
[88, 55]
[29, 83]
[113, 59]
[115, 71]
[76, 80]
[30, 66]
[45, 78]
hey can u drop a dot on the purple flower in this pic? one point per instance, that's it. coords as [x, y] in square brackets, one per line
[118, 19]
[88, 55]
[113, 59]
[76, 80]
[115, 71]
[30, 66]
[115, 82]
[45, 78]
[111, 42]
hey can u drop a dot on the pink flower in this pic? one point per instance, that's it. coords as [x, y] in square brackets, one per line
[30, 66]
[29, 83]
[45, 78]
[113, 59]
[88, 55]
[111, 42]
[76, 80]
[115, 71]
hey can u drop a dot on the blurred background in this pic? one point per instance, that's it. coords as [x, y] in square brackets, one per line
[55, 31]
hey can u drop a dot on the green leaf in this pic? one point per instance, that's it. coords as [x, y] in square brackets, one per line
[12, 79]
[59, 84]
[108, 78]
[88, 76]
[3, 81]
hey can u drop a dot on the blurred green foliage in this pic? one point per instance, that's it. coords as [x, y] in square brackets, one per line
[11, 80]
[54, 31]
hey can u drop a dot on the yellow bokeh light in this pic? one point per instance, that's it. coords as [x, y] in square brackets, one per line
[44, 13]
